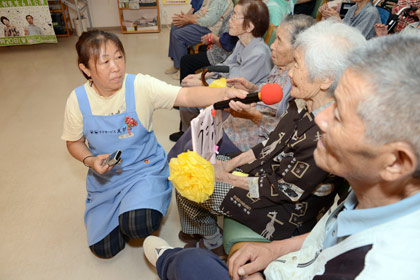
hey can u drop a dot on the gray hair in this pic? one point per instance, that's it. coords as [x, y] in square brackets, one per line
[326, 47]
[391, 65]
[296, 24]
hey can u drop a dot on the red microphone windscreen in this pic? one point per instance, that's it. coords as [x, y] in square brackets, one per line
[271, 93]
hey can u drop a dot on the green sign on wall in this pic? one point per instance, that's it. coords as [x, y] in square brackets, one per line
[25, 22]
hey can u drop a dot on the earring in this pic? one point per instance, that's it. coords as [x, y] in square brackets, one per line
[90, 81]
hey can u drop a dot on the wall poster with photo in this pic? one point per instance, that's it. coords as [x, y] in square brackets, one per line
[25, 22]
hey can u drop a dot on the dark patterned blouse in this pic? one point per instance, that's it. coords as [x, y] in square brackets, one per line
[293, 192]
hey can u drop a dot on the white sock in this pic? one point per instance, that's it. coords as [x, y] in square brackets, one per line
[213, 241]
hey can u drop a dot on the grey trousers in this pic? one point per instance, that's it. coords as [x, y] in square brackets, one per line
[183, 37]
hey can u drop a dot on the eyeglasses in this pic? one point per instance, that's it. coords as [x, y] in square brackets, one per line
[235, 16]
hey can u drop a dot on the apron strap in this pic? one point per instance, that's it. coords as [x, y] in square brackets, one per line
[129, 97]
[83, 100]
[130, 101]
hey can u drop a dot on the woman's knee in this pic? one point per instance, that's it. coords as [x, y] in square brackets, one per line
[178, 35]
[111, 245]
[140, 223]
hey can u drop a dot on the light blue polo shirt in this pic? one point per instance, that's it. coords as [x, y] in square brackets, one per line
[346, 220]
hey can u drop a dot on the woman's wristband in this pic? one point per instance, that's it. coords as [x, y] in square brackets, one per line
[87, 158]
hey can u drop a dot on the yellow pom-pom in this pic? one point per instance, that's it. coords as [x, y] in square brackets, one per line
[219, 83]
[192, 176]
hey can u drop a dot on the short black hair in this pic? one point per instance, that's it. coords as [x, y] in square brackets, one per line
[3, 18]
[29, 16]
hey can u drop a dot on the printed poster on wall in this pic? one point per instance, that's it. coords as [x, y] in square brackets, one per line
[25, 22]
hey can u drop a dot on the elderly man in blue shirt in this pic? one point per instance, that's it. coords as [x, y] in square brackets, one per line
[370, 136]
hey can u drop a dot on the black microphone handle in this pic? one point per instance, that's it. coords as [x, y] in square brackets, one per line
[218, 68]
[250, 98]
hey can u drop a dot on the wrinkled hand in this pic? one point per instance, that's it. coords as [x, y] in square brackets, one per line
[214, 39]
[323, 7]
[242, 83]
[239, 107]
[245, 111]
[180, 20]
[220, 170]
[204, 39]
[381, 29]
[177, 16]
[249, 259]
[192, 80]
[96, 163]
[328, 12]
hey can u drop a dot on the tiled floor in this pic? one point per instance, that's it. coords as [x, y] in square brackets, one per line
[42, 188]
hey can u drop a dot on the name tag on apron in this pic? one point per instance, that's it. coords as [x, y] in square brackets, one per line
[127, 135]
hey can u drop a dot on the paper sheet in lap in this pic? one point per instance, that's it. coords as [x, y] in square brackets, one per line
[206, 132]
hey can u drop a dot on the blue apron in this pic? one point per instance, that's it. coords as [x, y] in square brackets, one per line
[141, 181]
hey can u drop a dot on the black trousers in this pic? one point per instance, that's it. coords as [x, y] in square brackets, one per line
[191, 63]
[305, 8]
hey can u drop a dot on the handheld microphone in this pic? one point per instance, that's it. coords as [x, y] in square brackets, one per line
[269, 94]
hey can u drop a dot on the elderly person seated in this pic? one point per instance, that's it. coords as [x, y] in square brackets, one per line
[412, 28]
[188, 28]
[250, 125]
[251, 57]
[285, 192]
[363, 15]
[408, 17]
[219, 46]
[371, 138]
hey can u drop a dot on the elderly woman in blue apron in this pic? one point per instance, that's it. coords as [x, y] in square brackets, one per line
[113, 111]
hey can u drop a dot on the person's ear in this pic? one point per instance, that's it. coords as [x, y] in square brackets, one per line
[85, 70]
[326, 84]
[250, 27]
[400, 161]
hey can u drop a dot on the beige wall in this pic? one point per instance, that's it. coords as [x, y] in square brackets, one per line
[104, 13]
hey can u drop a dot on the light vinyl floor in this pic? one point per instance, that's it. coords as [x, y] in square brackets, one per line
[42, 188]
